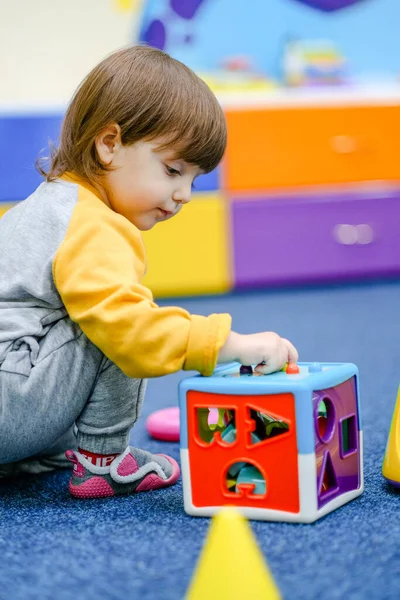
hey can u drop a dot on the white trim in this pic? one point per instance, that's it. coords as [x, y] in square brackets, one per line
[379, 94]
[12, 111]
[186, 482]
[307, 487]
[361, 438]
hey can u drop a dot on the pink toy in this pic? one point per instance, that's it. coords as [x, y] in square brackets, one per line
[164, 424]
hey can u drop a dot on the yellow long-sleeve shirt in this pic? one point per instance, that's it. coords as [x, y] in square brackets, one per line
[97, 271]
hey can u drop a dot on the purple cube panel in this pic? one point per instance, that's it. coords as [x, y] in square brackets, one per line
[296, 239]
[337, 443]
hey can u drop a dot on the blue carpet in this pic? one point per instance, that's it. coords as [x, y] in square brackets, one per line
[146, 547]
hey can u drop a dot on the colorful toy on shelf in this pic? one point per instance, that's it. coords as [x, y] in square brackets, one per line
[313, 63]
[391, 461]
[237, 74]
[285, 446]
[231, 565]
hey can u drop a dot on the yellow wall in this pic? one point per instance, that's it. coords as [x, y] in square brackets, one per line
[189, 254]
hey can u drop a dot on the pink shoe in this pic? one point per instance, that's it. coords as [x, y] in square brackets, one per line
[132, 471]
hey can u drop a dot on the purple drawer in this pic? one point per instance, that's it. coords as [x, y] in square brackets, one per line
[316, 238]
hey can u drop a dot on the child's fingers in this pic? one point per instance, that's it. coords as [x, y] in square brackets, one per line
[273, 363]
[265, 368]
[293, 355]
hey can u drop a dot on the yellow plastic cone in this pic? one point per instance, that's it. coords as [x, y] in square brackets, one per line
[231, 565]
[391, 462]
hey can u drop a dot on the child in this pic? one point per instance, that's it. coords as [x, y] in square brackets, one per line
[79, 333]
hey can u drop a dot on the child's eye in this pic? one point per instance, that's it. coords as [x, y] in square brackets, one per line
[171, 171]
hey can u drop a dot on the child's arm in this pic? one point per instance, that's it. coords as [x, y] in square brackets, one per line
[266, 350]
[98, 270]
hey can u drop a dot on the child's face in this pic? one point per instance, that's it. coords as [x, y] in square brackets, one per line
[146, 186]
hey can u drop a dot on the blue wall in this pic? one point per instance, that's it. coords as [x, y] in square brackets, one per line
[367, 33]
[25, 137]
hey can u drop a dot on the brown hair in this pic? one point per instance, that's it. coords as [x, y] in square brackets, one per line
[150, 95]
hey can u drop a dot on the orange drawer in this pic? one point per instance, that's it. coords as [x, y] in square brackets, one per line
[269, 147]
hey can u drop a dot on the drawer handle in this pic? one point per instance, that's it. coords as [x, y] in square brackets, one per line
[348, 235]
[344, 144]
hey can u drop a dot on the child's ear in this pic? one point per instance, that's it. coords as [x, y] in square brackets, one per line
[108, 142]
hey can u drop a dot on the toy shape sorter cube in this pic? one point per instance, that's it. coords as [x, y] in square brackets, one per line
[282, 447]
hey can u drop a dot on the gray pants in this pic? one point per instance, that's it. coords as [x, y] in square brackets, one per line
[60, 383]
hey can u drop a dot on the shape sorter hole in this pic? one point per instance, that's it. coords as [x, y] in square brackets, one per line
[266, 426]
[325, 419]
[328, 477]
[210, 421]
[245, 476]
[348, 436]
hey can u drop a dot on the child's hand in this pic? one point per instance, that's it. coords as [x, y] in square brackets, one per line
[267, 350]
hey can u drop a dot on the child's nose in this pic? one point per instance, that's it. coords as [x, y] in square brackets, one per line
[183, 194]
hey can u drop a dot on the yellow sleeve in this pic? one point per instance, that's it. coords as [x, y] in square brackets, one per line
[97, 271]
